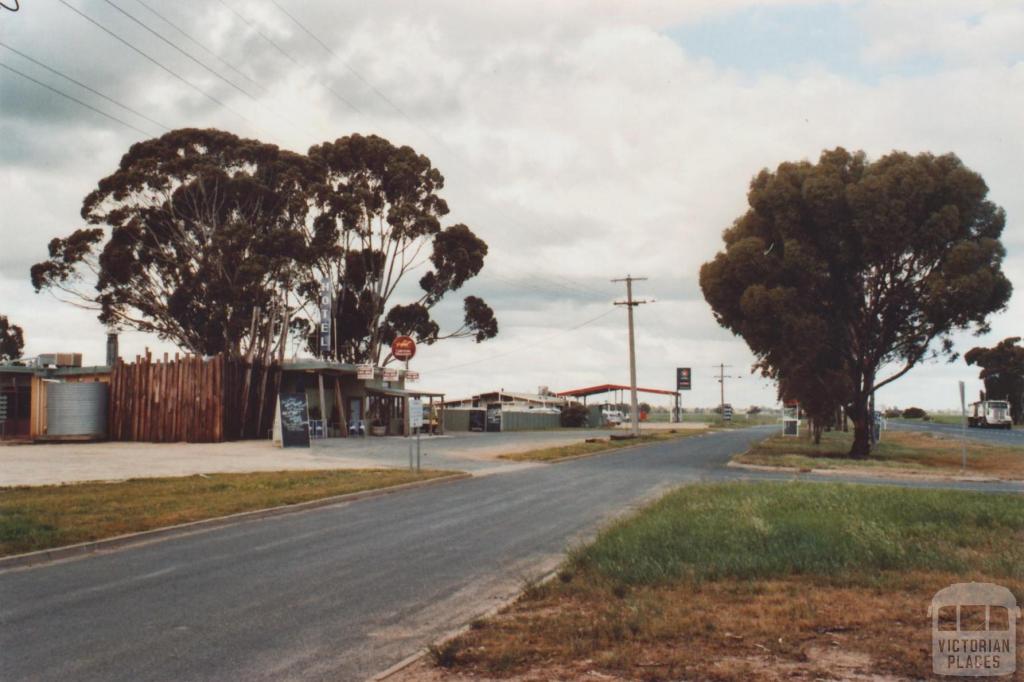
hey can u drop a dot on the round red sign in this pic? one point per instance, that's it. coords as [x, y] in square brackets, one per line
[403, 348]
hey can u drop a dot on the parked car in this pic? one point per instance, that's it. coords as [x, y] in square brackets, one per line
[613, 417]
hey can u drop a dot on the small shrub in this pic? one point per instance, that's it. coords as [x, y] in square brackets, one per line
[574, 415]
[914, 413]
[446, 654]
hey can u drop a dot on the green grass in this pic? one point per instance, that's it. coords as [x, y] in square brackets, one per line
[555, 453]
[853, 533]
[906, 451]
[42, 517]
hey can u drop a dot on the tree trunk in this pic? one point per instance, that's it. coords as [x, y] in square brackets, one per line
[817, 427]
[861, 419]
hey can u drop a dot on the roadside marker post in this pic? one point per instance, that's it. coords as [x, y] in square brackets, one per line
[415, 422]
[963, 429]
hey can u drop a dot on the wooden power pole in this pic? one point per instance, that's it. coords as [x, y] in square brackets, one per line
[634, 415]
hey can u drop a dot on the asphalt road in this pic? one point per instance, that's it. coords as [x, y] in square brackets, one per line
[996, 436]
[337, 593]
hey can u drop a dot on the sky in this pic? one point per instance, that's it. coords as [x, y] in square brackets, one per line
[582, 140]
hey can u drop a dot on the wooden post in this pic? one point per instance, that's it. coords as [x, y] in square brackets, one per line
[323, 401]
[342, 418]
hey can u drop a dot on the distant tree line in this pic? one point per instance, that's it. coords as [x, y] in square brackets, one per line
[225, 245]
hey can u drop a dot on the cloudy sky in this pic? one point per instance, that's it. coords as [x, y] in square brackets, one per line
[583, 140]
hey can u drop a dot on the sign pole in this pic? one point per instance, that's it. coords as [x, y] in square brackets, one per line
[963, 429]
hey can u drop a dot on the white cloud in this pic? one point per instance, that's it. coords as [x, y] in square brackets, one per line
[576, 138]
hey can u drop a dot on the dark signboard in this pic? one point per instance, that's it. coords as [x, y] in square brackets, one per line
[683, 378]
[294, 420]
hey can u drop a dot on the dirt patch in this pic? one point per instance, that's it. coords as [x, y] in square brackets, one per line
[792, 629]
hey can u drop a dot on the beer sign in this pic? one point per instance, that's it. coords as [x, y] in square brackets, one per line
[403, 348]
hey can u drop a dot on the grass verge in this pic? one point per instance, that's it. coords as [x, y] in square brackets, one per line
[908, 451]
[43, 517]
[556, 453]
[755, 581]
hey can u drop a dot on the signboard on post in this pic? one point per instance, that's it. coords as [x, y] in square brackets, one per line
[415, 413]
[727, 413]
[403, 348]
[364, 372]
[412, 376]
[683, 378]
[390, 374]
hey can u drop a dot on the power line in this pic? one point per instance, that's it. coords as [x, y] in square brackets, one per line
[74, 99]
[83, 85]
[526, 347]
[173, 73]
[176, 48]
[290, 57]
[437, 138]
[196, 42]
[261, 34]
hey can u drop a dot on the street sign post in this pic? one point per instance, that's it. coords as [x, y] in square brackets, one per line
[415, 422]
[963, 428]
[727, 413]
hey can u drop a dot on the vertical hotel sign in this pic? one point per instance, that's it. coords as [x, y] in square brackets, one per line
[325, 316]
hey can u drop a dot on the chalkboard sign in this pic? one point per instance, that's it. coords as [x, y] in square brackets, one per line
[294, 421]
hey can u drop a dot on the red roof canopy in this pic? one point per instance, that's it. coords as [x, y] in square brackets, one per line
[606, 388]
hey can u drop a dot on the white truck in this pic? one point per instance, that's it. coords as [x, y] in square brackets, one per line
[994, 414]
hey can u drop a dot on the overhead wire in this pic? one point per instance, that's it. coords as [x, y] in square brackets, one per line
[74, 99]
[80, 84]
[324, 84]
[525, 347]
[177, 49]
[195, 41]
[156, 62]
[395, 106]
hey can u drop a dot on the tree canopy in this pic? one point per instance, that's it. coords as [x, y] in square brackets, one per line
[845, 268]
[195, 230]
[379, 218]
[1002, 370]
[12, 340]
[217, 243]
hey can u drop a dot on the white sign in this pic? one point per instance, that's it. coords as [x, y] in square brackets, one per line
[391, 374]
[415, 413]
[412, 376]
[364, 371]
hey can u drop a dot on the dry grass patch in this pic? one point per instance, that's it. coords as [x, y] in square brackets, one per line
[905, 451]
[42, 517]
[740, 582]
[593, 445]
[795, 628]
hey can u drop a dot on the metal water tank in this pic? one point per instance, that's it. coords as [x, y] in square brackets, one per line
[76, 409]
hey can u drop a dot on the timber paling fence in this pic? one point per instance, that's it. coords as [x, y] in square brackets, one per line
[192, 399]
